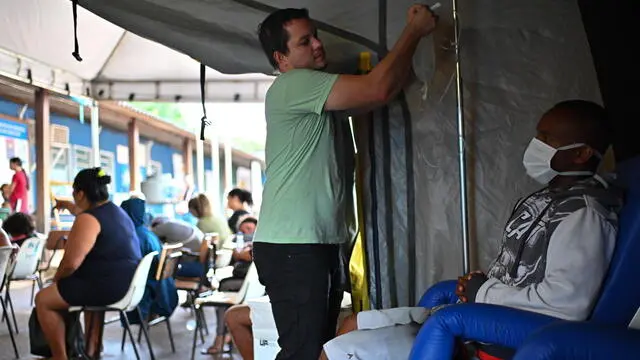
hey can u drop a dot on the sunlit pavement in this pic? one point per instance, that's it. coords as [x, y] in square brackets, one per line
[183, 337]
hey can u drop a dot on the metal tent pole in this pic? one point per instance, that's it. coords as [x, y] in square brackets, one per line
[462, 158]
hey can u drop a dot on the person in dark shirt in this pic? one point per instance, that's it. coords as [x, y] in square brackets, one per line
[238, 200]
[20, 227]
[101, 256]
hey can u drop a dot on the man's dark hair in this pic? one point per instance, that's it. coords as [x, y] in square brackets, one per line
[591, 120]
[273, 36]
[19, 224]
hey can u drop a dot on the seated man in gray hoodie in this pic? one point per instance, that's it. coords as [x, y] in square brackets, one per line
[175, 231]
[556, 245]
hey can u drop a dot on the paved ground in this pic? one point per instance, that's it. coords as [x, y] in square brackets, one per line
[112, 336]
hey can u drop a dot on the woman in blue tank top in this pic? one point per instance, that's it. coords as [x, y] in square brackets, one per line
[101, 256]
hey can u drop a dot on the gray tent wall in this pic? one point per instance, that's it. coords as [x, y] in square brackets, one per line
[518, 59]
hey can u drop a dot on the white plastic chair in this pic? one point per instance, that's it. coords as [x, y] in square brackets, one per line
[167, 266]
[130, 301]
[25, 267]
[251, 288]
[5, 255]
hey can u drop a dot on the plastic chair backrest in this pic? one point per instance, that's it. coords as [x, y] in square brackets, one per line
[208, 248]
[620, 298]
[251, 286]
[169, 266]
[138, 284]
[4, 214]
[168, 260]
[5, 256]
[28, 258]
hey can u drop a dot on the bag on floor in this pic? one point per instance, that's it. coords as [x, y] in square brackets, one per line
[74, 336]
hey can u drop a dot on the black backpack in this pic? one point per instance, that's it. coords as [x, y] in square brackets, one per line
[74, 336]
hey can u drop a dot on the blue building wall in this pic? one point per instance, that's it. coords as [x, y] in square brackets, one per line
[80, 134]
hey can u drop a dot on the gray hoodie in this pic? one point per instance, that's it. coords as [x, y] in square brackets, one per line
[176, 231]
[556, 250]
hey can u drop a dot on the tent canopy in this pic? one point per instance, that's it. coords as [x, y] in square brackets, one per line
[37, 42]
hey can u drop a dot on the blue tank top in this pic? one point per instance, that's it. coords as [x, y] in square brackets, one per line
[117, 248]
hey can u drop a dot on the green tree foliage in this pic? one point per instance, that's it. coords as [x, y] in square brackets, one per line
[169, 112]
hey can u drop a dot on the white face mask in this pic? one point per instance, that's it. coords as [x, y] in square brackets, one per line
[537, 161]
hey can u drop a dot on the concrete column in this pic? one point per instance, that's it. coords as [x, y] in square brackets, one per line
[187, 160]
[134, 166]
[43, 162]
[228, 165]
[214, 189]
[95, 133]
[256, 185]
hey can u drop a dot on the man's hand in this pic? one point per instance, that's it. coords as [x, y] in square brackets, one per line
[421, 19]
[469, 285]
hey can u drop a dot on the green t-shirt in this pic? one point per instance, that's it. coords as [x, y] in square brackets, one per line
[308, 193]
[214, 224]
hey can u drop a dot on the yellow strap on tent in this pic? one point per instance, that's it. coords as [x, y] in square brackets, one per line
[358, 263]
[359, 283]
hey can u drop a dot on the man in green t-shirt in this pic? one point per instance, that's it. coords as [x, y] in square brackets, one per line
[309, 176]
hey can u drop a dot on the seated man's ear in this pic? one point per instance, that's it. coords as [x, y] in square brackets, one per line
[584, 154]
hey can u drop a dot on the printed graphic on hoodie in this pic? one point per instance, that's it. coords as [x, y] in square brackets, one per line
[533, 222]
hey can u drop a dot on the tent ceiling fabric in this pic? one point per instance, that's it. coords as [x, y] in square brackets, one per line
[115, 62]
[219, 33]
[222, 33]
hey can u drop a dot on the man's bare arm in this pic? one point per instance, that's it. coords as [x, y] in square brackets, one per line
[387, 79]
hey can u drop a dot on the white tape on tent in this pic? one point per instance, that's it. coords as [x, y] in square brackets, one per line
[424, 60]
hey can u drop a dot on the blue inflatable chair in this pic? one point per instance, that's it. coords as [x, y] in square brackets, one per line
[508, 327]
[581, 340]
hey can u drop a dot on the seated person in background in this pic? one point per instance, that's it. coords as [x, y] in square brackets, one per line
[176, 231]
[100, 259]
[160, 298]
[200, 207]
[556, 245]
[5, 208]
[241, 261]
[20, 227]
[172, 231]
[247, 225]
[238, 321]
[148, 220]
[242, 256]
[5, 190]
[238, 200]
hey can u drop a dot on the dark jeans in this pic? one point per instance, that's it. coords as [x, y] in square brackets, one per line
[190, 269]
[303, 284]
